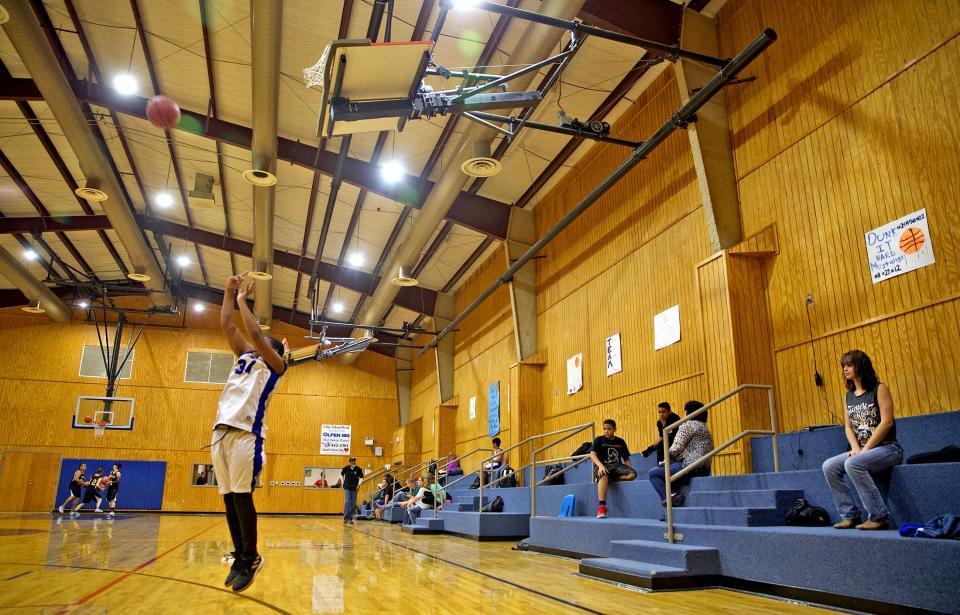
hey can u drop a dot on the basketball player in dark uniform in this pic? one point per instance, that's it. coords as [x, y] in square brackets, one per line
[75, 484]
[113, 488]
[92, 493]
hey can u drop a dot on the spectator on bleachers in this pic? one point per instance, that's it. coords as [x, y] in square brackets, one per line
[872, 433]
[499, 458]
[400, 495]
[611, 462]
[423, 499]
[665, 416]
[693, 441]
[452, 469]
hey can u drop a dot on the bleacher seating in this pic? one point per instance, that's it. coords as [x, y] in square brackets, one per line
[733, 532]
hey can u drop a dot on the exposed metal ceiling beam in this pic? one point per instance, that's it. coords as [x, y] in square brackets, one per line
[416, 299]
[174, 162]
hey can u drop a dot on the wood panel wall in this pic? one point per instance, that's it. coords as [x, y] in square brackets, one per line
[849, 127]
[173, 418]
[850, 123]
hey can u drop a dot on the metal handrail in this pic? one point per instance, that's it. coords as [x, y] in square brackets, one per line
[533, 458]
[575, 430]
[415, 468]
[368, 480]
[579, 459]
[771, 402]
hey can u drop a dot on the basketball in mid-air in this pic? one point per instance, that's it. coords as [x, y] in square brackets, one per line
[88, 419]
[163, 112]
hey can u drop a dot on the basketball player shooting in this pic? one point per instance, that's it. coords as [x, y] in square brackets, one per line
[239, 429]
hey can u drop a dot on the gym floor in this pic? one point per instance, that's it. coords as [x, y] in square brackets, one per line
[167, 563]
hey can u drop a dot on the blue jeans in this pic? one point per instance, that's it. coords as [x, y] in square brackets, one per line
[349, 503]
[656, 477]
[858, 468]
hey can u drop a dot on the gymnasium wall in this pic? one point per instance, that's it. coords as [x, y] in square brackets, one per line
[850, 124]
[39, 386]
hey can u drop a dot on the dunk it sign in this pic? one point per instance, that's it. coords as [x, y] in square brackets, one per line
[900, 246]
[335, 439]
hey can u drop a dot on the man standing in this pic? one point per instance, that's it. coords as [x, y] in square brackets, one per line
[665, 416]
[350, 476]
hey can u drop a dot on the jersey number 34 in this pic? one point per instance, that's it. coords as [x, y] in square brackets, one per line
[244, 367]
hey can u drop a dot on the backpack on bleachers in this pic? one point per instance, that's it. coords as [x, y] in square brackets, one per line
[549, 472]
[583, 449]
[494, 505]
[803, 514]
[509, 477]
[947, 454]
[476, 483]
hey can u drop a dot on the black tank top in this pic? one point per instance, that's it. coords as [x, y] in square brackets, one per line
[114, 478]
[94, 480]
[864, 413]
[82, 479]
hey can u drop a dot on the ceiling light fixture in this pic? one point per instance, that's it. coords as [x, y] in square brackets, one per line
[125, 84]
[392, 171]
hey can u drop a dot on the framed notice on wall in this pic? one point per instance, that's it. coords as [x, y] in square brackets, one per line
[666, 328]
[335, 439]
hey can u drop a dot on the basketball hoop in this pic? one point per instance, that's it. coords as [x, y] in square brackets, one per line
[313, 76]
[99, 429]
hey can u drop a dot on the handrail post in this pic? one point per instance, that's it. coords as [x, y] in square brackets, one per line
[533, 481]
[483, 479]
[667, 486]
[773, 426]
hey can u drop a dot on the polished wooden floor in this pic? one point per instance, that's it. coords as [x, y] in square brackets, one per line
[173, 564]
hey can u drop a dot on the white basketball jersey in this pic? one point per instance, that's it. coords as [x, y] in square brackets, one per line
[243, 403]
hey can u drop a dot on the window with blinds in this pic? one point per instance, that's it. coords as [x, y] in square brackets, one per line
[92, 365]
[209, 367]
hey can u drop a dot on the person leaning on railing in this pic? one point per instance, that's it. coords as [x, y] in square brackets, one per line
[693, 441]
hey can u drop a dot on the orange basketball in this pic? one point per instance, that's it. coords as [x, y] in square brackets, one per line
[163, 112]
[104, 482]
[912, 240]
[88, 419]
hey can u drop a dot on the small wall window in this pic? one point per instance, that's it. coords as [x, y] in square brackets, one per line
[321, 478]
[209, 367]
[92, 365]
[203, 475]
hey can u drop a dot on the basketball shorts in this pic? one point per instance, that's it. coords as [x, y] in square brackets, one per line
[75, 490]
[91, 495]
[616, 471]
[238, 459]
[112, 492]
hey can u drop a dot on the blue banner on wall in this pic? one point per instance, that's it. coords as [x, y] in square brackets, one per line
[493, 409]
[141, 483]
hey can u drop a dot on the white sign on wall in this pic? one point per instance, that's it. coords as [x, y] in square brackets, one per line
[473, 407]
[900, 246]
[335, 439]
[614, 363]
[574, 373]
[666, 328]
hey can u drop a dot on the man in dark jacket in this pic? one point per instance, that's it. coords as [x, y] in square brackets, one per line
[350, 477]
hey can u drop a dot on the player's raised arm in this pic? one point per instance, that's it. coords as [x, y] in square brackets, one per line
[263, 345]
[228, 323]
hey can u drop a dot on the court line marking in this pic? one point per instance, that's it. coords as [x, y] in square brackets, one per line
[138, 574]
[482, 573]
[17, 576]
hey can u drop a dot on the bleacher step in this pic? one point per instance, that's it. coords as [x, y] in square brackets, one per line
[641, 574]
[749, 498]
[719, 515]
[691, 558]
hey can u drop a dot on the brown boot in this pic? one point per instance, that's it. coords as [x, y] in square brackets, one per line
[876, 524]
[847, 524]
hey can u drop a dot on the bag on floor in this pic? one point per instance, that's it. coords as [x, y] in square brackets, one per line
[947, 454]
[583, 449]
[476, 483]
[805, 515]
[549, 473]
[494, 505]
[509, 477]
[944, 526]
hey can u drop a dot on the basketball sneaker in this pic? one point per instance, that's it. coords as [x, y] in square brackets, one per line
[74, 514]
[60, 509]
[98, 511]
[111, 514]
[234, 570]
[247, 573]
[602, 511]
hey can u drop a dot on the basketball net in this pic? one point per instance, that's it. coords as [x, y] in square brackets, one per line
[313, 75]
[99, 428]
